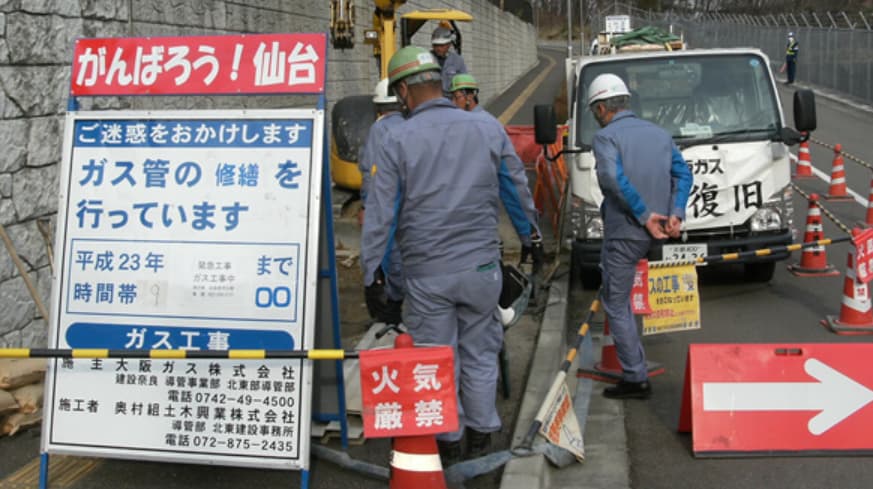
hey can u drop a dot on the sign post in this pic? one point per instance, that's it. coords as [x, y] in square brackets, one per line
[195, 230]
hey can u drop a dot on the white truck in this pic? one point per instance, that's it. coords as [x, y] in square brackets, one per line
[723, 110]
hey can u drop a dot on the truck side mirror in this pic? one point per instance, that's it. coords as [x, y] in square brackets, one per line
[804, 110]
[545, 124]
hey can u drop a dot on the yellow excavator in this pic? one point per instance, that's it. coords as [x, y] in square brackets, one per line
[352, 116]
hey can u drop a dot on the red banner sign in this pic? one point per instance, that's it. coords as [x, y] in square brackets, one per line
[408, 391]
[236, 64]
[640, 290]
[768, 398]
[863, 255]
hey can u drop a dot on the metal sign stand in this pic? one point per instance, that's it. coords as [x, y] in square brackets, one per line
[327, 278]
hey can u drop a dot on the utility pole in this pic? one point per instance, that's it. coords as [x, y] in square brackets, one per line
[582, 10]
[569, 29]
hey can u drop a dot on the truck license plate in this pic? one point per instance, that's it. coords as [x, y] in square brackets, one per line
[689, 251]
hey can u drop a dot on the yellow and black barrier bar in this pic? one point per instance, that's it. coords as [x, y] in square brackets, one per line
[92, 353]
[525, 448]
[771, 251]
[750, 254]
[847, 156]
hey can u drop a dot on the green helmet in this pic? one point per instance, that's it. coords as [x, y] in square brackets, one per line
[409, 61]
[463, 81]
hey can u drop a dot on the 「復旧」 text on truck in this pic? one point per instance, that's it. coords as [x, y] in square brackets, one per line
[723, 110]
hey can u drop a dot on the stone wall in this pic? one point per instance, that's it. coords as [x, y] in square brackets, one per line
[36, 40]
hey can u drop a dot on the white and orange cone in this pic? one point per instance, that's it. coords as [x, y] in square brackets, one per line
[415, 460]
[813, 260]
[804, 161]
[838, 189]
[608, 369]
[856, 313]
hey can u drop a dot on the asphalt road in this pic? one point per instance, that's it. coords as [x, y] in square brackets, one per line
[786, 310]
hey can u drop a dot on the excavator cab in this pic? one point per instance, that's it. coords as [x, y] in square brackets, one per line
[352, 116]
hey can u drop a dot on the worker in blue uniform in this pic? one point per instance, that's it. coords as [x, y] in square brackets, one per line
[791, 51]
[645, 183]
[436, 192]
[451, 63]
[514, 191]
[388, 115]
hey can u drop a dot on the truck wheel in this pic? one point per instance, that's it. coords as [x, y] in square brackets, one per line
[590, 277]
[587, 275]
[760, 272]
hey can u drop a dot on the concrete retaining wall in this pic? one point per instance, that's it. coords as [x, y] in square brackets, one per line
[36, 40]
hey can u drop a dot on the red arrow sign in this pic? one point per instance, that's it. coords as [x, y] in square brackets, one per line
[778, 398]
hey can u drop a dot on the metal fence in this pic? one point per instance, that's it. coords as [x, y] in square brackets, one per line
[836, 49]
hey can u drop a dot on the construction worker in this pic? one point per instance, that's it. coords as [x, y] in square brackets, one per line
[645, 183]
[451, 63]
[516, 198]
[388, 115]
[435, 192]
[791, 51]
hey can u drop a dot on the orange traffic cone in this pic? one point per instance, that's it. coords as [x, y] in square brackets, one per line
[813, 260]
[856, 314]
[804, 162]
[415, 460]
[608, 369]
[838, 190]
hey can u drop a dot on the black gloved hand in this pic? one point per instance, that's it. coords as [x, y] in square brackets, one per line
[536, 253]
[375, 296]
[393, 312]
[380, 307]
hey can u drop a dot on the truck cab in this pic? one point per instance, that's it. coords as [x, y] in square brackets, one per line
[723, 110]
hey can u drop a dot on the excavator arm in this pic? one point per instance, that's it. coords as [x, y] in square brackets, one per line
[382, 35]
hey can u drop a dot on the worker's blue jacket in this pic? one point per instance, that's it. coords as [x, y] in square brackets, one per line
[436, 191]
[451, 65]
[640, 171]
[514, 191]
[374, 139]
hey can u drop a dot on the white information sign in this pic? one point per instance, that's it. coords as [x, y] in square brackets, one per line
[197, 231]
[618, 24]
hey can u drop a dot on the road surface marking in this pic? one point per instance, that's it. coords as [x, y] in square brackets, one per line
[827, 179]
[510, 111]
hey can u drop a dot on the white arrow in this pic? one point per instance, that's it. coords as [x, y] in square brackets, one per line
[835, 395]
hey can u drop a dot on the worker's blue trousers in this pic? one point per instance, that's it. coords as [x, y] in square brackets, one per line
[618, 262]
[461, 310]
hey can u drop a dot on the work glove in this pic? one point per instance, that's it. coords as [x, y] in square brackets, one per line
[535, 252]
[380, 307]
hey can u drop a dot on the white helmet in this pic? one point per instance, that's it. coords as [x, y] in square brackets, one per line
[606, 86]
[380, 96]
[442, 35]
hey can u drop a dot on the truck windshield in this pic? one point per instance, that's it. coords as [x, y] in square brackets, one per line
[705, 98]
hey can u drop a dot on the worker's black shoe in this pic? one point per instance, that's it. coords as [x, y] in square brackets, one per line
[450, 452]
[629, 390]
[478, 443]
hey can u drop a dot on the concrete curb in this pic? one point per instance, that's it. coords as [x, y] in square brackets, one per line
[601, 420]
[532, 472]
